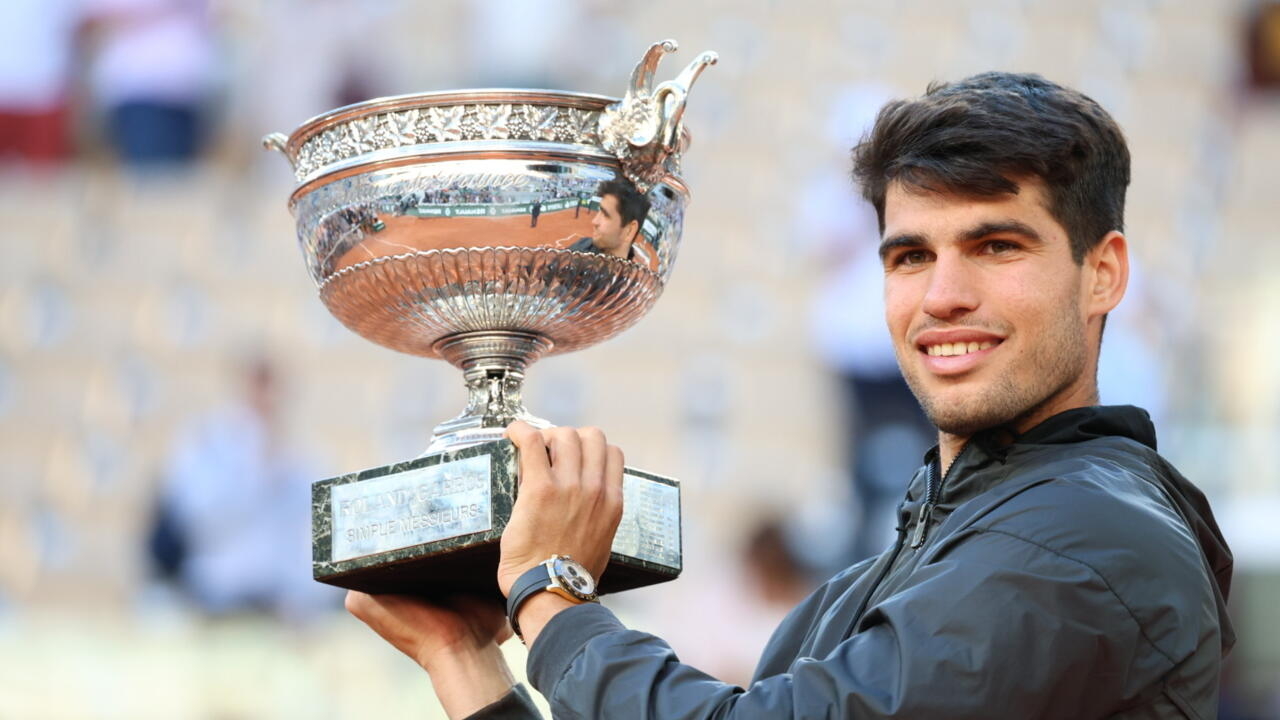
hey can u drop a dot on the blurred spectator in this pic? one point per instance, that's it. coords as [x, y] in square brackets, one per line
[153, 74]
[886, 432]
[511, 43]
[1131, 368]
[325, 58]
[1262, 48]
[37, 49]
[234, 525]
[742, 601]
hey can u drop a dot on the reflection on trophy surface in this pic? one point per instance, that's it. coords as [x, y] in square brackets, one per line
[487, 228]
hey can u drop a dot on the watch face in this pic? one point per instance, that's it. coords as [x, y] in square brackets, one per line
[574, 578]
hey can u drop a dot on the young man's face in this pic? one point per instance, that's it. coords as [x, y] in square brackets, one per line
[987, 310]
[607, 230]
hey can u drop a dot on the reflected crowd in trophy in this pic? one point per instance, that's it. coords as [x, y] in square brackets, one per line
[170, 385]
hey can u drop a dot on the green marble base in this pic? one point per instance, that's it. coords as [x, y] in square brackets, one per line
[431, 526]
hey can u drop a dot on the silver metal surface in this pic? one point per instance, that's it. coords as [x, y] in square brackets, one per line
[650, 525]
[411, 508]
[493, 364]
[644, 130]
[440, 224]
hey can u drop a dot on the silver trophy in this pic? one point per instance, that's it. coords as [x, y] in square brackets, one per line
[459, 225]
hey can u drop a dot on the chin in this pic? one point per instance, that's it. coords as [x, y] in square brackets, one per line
[972, 410]
[966, 424]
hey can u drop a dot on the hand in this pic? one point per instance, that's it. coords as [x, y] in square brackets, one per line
[456, 643]
[569, 502]
[431, 633]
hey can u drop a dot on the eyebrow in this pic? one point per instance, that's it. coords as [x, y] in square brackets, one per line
[1002, 227]
[977, 232]
[907, 240]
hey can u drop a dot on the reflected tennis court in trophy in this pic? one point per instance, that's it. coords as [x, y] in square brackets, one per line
[463, 225]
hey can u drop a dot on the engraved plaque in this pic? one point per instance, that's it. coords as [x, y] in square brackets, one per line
[411, 508]
[439, 224]
[432, 525]
[650, 526]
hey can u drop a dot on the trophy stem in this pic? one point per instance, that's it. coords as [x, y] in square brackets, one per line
[493, 365]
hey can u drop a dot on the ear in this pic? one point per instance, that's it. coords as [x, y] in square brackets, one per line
[632, 230]
[1106, 274]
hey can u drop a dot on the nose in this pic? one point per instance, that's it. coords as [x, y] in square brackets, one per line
[953, 288]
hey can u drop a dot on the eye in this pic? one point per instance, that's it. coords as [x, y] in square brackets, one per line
[910, 258]
[999, 247]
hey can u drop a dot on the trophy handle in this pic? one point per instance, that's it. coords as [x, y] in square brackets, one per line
[673, 95]
[278, 142]
[642, 75]
[643, 129]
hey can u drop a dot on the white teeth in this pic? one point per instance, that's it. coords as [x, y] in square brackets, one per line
[960, 348]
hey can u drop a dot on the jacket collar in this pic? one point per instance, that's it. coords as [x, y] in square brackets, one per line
[991, 447]
[1091, 423]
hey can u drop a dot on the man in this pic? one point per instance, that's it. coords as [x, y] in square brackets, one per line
[616, 225]
[1049, 564]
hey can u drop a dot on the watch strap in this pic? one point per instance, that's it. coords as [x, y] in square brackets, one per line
[534, 580]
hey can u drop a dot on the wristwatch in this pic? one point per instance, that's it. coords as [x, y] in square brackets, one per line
[559, 574]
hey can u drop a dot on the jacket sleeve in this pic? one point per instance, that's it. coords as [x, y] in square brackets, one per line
[515, 705]
[999, 627]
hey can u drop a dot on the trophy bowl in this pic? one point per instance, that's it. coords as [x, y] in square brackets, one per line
[461, 225]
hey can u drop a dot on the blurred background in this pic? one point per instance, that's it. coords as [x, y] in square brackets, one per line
[170, 383]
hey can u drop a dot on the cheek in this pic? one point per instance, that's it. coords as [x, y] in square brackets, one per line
[1041, 303]
[901, 301]
[1025, 294]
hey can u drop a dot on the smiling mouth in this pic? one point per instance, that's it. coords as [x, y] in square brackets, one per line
[957, 348]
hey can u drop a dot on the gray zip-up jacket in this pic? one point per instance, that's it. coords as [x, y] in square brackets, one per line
[1071, 573]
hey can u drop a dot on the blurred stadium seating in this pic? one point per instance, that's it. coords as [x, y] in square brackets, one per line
[127, 298]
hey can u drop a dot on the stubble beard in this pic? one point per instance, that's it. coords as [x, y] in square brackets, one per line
[1052, 366]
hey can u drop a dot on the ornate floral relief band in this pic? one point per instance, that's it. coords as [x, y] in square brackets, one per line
[459, 225]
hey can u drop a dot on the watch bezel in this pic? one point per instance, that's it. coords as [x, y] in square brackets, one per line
[564, 571]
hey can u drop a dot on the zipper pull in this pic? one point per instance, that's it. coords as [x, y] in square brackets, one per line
[917, 537]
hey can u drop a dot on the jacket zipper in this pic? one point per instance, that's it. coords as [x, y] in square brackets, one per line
[933, 487]
[866, 599]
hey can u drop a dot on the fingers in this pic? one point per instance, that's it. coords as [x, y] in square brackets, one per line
[574, 458]
[594, 450]
[569, 502]
[614, 463]
[370, 610]
[534, 460]
[566, 455]
[358, 603]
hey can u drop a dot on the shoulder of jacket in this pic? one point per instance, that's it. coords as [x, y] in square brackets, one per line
[1105, 511]
[1092, 500]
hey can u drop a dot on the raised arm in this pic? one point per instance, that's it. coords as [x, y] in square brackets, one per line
[999, 628]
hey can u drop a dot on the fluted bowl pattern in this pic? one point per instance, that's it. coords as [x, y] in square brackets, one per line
[411, 301]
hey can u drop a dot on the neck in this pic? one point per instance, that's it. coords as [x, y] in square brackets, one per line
[1071, 397]
[623, 250]
[948, 447]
